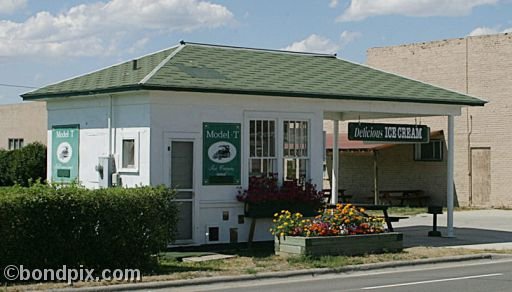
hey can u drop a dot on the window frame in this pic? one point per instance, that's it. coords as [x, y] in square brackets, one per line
[136, 153]
[268, 158]
[417, 154]
[15, 143]
[297, 158]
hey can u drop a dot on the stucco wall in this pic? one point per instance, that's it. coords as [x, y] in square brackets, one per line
[480, 66]
[130, 117]
[181, 115]
[23, 120]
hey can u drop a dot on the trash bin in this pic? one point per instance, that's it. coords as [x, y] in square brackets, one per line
[434, 210]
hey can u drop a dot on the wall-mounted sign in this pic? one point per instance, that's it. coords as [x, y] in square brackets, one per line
[65, 141]
[221, 154]
[397, 133]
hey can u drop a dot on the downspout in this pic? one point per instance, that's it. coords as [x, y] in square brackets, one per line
[109, 125]
[469, 129]
[470, 159]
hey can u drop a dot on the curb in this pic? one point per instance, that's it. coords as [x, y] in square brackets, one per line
[277, 275]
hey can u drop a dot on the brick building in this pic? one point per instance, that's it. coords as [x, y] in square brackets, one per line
[478, 66]
[22, 123]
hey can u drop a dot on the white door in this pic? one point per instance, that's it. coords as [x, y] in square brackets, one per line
[181, 178]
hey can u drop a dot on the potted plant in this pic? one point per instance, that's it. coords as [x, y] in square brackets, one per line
[264, 197]
[345, 230]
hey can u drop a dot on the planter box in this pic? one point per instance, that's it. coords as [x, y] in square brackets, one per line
[339, 245]
[267, 210]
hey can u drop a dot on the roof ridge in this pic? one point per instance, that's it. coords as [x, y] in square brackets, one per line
[161, 64]
[100, 69]
[334, 55]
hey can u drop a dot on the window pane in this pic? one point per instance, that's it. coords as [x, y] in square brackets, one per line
[21, 143]
[128, 153]
[295, 140]
[252, 138]
[261, 138]
[259, 167]
[11, 144]
[272, 139]
[182, 164]
[295, 169]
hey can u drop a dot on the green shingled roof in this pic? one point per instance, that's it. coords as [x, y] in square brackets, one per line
[209, 68]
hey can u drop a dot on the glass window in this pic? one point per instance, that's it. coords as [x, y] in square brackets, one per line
[182, 171]
[262, 147]
[15, 143]
[295, 150]
[128, 153]
[432, 151]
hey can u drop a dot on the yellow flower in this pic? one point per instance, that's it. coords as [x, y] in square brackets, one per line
[285, 224]
[276, 215]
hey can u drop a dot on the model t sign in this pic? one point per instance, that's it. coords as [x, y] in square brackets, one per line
[221, 154]
[64, 154]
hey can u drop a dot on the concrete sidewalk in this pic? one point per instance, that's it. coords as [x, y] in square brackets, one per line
[476, 229]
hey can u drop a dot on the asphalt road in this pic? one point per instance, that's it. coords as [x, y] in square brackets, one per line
[488, 275]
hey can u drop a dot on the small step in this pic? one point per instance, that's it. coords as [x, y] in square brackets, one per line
[210, 257]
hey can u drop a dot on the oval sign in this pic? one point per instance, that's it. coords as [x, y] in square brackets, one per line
[64, 152]
[222, 152]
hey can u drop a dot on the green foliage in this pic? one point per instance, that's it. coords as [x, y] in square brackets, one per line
[47, 226]
[23, 165]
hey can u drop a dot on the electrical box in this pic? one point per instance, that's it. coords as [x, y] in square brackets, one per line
[105, 168]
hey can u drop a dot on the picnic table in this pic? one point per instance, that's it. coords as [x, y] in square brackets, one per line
[342, 197]
[384, 208]
[412, 197]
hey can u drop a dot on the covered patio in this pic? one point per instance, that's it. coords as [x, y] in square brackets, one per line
[397, 109]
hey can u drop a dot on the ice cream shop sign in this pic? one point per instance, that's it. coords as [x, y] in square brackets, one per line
[221, 154]
[397, 133]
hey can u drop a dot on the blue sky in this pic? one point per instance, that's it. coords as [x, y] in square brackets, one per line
[44, 41]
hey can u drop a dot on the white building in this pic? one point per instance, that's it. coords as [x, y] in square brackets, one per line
[160, 116]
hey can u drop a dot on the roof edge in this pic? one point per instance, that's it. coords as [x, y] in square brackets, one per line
[139, 86]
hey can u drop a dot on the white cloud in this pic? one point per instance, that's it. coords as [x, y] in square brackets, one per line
[347, 37]
[319, 44]
[9, 6]
[361, 9]
[333, 3]
[484, 30]
[314, 44]
[98, 28]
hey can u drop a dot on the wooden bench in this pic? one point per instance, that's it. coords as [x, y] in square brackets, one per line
[342, 197]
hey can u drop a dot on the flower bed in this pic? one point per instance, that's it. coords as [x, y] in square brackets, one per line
[264, 197]
[346, 230]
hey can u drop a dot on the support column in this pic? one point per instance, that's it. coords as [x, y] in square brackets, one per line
[335, 162]
[450, 182]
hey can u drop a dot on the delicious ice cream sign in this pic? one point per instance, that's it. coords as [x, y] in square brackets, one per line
[398, 133]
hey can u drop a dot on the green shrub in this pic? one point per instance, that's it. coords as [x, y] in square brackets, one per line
[23, 165]
[50, 226]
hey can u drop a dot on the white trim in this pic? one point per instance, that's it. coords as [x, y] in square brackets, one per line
[450, 182]
[168, 138]
[136, 152]
[160, 65]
